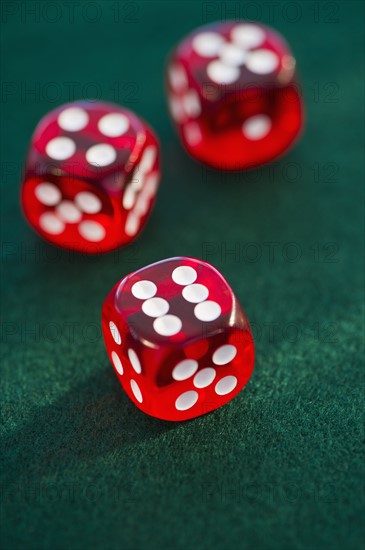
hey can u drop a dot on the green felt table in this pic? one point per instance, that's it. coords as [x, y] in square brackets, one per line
[279, 467]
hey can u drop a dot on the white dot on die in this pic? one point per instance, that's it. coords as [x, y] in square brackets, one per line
[184, 275]
[177, 77]
[113, 124]
[47, 193]
[232, 55]
[151, 184]
[192, 133]
[204, 377]
[136, 391]
[207, 311]
[129, 198]
[133, 357]
[50, 223]
[256, 127]
[102, 154]
[117, 362]
[192, 104]
[148, 158]
[195, 293]
[185, 369]
[155, 307]
[68, 212]
[88, 202]
[186, 400]
[115, 333]
[176, 109]
[144, 198]
[262, 61]
[73, 119]
[168, 325]
[207, 44]
[142, 204]
[91, 231]
[225, 354]
[226, 385]
[60, 148]
[144, 290]
[138, 179]
[132, 224]
[248, 36]
[220, 73]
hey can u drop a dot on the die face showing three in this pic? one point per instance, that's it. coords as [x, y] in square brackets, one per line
[91, 176]
[233, 95]
[178, 338]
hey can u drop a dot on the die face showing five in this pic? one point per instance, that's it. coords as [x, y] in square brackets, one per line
[178, 338]
[91, 176]
[233, 95]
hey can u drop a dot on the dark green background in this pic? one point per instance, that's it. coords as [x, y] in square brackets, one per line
[280, 466]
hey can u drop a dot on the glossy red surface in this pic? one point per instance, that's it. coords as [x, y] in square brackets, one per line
[91, 176]
[178, 338]
[234, 96]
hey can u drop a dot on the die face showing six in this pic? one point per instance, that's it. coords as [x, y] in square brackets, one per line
[178, 338]
[233, 95]
[91, 176]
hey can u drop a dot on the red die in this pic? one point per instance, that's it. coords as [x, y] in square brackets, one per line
[91, 176]
[233, 95]
[178, 338]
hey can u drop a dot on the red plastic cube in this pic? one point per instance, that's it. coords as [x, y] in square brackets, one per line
[178, 338]
[91, 176]
[234, 95]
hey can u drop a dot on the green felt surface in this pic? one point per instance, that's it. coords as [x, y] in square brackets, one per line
[281, 466]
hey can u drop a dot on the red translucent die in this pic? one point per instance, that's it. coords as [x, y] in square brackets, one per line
[233, 95]
[91, 176]
[178, 338]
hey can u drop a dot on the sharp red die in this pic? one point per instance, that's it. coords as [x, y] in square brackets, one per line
[233, 95]
[91, 176]
[178, 338]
